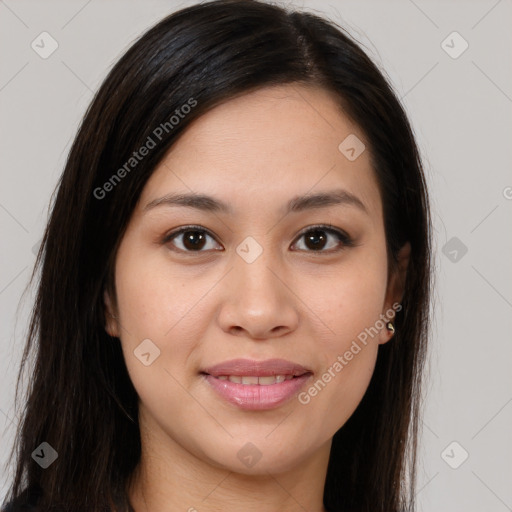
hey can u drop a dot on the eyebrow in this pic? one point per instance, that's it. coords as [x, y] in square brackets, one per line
[296, 204]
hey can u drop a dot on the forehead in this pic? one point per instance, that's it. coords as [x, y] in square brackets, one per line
[263, 148]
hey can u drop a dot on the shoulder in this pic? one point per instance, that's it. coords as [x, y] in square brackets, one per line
[25, 502]
[14, 506]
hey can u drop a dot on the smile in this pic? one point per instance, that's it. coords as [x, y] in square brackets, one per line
[261, 381]
[257, 393]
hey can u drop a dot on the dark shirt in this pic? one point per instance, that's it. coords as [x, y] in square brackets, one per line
[12, 507]
[27, 502]
[16, 507]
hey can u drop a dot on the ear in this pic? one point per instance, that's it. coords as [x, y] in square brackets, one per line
[395, 290]
[111, 322]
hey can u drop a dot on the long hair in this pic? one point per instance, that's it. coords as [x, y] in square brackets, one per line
[80, 399]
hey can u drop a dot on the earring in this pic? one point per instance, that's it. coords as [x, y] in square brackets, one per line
[391, 327]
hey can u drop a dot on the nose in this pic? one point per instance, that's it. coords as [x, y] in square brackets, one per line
[258, 302]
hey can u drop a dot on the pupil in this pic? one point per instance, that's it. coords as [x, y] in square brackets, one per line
[314, 237]
[189, 239]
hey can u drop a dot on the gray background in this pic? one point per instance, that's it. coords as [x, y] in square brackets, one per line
[460, 109]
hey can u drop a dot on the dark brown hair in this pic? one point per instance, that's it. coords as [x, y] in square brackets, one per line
[80, 399]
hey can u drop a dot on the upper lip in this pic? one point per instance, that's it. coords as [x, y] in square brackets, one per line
[249, 367]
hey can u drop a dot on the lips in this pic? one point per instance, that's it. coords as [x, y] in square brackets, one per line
[252, 368]
[257, 385]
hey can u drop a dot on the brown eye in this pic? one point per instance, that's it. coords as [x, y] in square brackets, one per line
[317, 238]
[190, 239]
[193, 240]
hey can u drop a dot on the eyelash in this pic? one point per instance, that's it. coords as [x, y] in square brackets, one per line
[345, 239]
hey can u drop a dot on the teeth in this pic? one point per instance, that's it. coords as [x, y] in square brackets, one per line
[271, 379]
[248, 380]
[262, 381]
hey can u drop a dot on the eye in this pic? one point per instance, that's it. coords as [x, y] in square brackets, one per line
[316, 239]
[190, 239]
[195, 239]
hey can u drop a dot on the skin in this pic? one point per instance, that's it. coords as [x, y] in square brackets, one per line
[254, 152]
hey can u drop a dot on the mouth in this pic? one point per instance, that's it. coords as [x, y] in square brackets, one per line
[256, 385]
[255, 380]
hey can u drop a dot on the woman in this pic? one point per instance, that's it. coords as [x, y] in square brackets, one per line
[235, 280]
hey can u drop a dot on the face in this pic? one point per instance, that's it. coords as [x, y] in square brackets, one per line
[266, 276]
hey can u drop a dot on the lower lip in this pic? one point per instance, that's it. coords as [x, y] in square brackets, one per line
[255, 397]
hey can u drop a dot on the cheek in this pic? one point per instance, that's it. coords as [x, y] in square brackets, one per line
[349, 303]
[337, 391]
[347, 361]
[153, 297]
[159, 307]
[162, 303]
